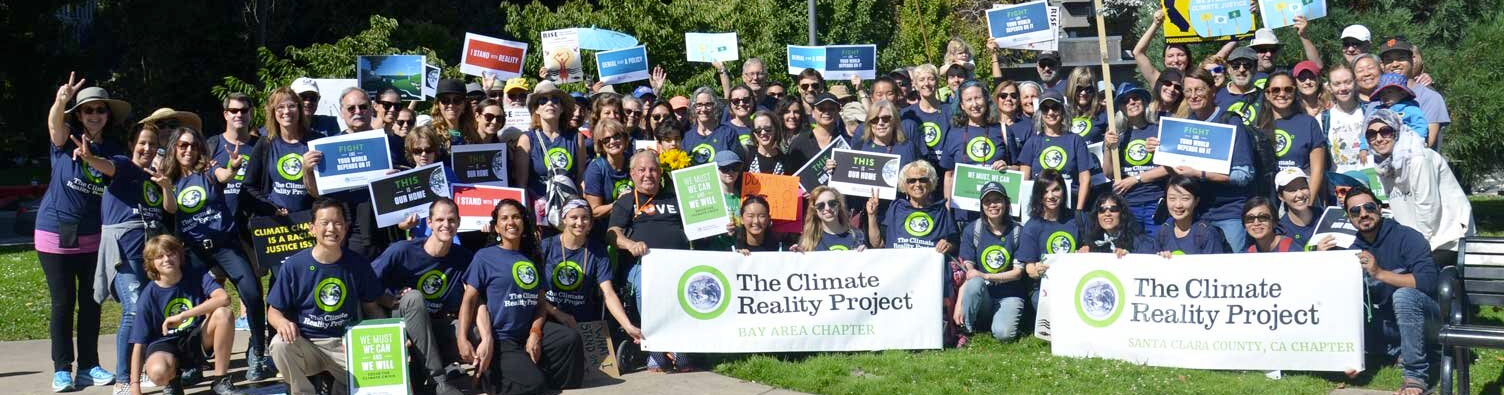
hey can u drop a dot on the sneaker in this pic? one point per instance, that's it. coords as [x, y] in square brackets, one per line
[96, 376]
[62, 381]
[255, 368]
[174, 387]
[441, 386]
[226, 386]
[190, 375]
[242, 324]
[146, 382]
[122, 389]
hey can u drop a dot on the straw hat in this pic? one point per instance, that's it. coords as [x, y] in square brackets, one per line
[183, 117]
[118, 108]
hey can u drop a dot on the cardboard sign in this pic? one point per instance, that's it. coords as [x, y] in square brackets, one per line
[278, 237]
[702, 201]
[480, 164]
[561, 55]
[966, 189]
[351, 160]
[782, 193]
[409, 192]
[377, 357]
[1019, 24]
[813, 173]
[1178, 28]
[403, 72]
[430, 80]
[476, 202]
[858, 173]
[1333, 223]
[710, 47]
[1281, 13]
[622, 65]
[600, 350]
[500, 58]
[1200, 145]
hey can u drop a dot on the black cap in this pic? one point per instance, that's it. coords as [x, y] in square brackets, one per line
[1396, 44]
[824, 96]
[993, 187]
[1051, 94]
[449, 85]
[1048, 55]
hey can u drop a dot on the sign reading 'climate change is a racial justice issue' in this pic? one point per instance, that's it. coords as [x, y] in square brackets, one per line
[703, 301]
[1296, 311]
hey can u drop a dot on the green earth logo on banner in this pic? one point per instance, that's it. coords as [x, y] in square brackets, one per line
[980, 149]
[433, 283]
[919, 224]
[702, 153]
[191, 199]
[559, 159]
[290, 167]
[1061, 242]
[1099, 298]
[151, 194]
[1053, 158]
[931, 134]
[1282, 141]
[704, 292]
[568, 275]
[1138, 153]
[330, 294]
[525, 275]
[178, 306]
[996, 259]
[1081, 126]
[623, 187]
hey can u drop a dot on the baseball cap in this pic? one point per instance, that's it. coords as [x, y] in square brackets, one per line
[304, 85]
[1304, 66]
[679, 102]
[1264, 36]
[1048, 55]
[993, 187]
[824, 97]
[1288, 175]
[516, 83]
[727, 158]
[1396, 44]
[643, 90]
[447, 86]
[1393, 81]
[1357, 32]
[474, 89]
[1243, 53]
[1051, 95]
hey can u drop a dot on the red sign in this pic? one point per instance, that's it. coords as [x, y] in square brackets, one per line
[492, 55]
[477, 201]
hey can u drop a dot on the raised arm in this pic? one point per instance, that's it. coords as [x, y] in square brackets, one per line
[57, 120]
[1141, 50]
[225, 174]
[723, 77]
[1312, 54]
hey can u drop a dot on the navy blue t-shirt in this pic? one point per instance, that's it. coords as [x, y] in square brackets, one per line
[132, 196]
[1021, 130]
[1042, 237]
[975, 146]
[1092, 128]
[156, 303]
[511, 283]
[851, 240]
[284, 167]
[909, 227]
[1227, 199]
[323, 299]
[1201, 239]
[993, 253]
[202, 214]
[575, 276]
[1301, 234]
[220, 150]
[1245, 105]
[1066, 154]
[74, 189]
[702, 149]
[1294, 139]
[322, 126]
[1137, 160]
[927, 128]
[601, 180]
[562, 154]
[405, 264]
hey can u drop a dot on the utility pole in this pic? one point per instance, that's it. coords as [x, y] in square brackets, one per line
[812, 26]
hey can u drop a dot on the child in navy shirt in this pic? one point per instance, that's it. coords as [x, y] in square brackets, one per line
[182, 317]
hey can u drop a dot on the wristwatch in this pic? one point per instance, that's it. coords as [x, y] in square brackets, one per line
[1138, 178]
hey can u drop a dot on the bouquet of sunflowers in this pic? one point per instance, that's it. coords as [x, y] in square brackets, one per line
[672, 159]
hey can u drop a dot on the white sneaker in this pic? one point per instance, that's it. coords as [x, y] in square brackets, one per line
[146, 382]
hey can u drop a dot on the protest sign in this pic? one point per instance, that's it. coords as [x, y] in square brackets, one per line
[1293, 311]
[802, 57]
[639, 145]
[1053, 44]
[600, 350]
[858, 173]
[480, 164]
[1281, 13]
[622, 65]
[1201, 145]
[1333, 223]
[402, 72]
[844, 61]
[350, 160]
[1019, 24]
[376, 357]
[1214, 18]
[500, 58]
[561, 55]
[1369, 175]
[782, 193]
[1178, 29]
[476, 202]
[277, 237]
[966, 189]
[430, 81]
[813, 173]
[723, 302]
[702, 201]
[710, 47]
[409, 192]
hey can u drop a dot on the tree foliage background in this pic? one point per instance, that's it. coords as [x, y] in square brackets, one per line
[187, 55]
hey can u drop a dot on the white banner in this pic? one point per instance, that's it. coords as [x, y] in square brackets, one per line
[723, 302]
[1294, 311]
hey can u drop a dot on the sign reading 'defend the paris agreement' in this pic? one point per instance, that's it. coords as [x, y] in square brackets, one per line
[859, 173]
[702, 201]
[1201, 145]
[500, 58]
[622, 65]
[480, 164]
[723, 302]
[409, 192]
[1295, 311]
[350, 160]
[1020, 24]
[376, 357]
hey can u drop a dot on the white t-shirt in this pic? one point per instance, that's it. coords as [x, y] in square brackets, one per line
[1345, 138]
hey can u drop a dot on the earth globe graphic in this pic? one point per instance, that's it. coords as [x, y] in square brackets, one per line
[703, 292]
[1099, 298]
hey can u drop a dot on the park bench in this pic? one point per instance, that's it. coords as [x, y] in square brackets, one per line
[1476, 280]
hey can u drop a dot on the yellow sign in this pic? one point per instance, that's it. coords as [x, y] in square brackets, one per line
[1177, 25]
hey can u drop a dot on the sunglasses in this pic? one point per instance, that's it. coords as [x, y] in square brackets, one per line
[1395, 56]
[1281, 90]
[1173, 86]
[358, 108]
[740, 100]
[1384, 131]
[1218, 69]
[313, 98]
[763, 130]
[95, 110]
[549, 100]
[613, 137]
[632, 113]
[1243, 65]
[1359, 209]
[881, 119]
[1050, 109]
[183, 145]
[1305, 76]
[1258, 218]
[235, 110]
[422, 151]
[1352, 43]
[1008, 95]
[828, 108]
[828, 204]
[730, 169]
[406, 123]
[386, 104]
[916, 180]
[452, 100]
[1048, 65]
[489, 117]
[776, 94]
[807, 86]
[659, 117]
[1266, 49]
[1109, 209]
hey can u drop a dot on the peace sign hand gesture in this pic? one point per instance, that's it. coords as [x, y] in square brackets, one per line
[80, 146]
[66, 91]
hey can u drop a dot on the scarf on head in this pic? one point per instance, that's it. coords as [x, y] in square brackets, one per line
[1407, 143]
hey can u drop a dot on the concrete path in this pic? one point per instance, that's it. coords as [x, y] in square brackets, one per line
[25, 369]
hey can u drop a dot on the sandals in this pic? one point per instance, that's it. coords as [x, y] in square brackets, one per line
[1410, 384]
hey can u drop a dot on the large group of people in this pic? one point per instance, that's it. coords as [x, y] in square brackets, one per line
[160, 222]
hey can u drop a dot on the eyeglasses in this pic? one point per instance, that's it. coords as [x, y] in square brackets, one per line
[95, 110]
[1109, 209]
[422, 151]
[1258, 218]
[916, 180]
[1009, 95]
[828, 204]
[386, 104]
[452, 100]
[406, 123]
[1281, 90]
[704, 105]
[184, 145]
[235, 110]
[1359, 209]
[763, 130]
[1244, 65]
[1386, 131]
[618, 136]
[489, 117]
[632, 113]
[881, 119]
[358, 108]
[754, 74]
[1218, 69]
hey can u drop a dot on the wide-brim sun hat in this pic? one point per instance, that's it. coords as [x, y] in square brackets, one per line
[118, 108]
[183, 117]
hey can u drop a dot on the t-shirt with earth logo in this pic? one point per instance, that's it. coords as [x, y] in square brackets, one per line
[510, 283]
[220, 149]
[574, 277]
[74, 189]
[405, 264]
[156, 303]
[927, 128]
[323, 299]
[1042, 237]
[1137, 160]
[560, 154]
[702, 148]
[1092, 128]
[1294, 139]
[848, 241]
[993, 253]
[132, 196]
[1066, 154]
[282, 165]
[906, 226]
[202, 214]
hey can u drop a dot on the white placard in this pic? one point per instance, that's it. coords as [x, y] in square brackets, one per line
[332, 174]
[710, 47]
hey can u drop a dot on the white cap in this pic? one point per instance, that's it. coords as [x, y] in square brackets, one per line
[1288, 175]
[1264, 36]
[304, 85]
[1357, 32]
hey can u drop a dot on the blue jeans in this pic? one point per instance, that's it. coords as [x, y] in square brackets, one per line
[1144, 213]
[978, 302]
[127, 288]
[235, 265]
[1237, 236]
[1399, 330]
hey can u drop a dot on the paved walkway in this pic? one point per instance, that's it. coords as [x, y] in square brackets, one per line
[25, 369]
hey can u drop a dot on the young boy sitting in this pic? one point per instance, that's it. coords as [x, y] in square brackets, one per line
[182, 317]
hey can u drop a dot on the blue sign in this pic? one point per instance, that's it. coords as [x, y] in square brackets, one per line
[1281, 13]
[1212, 18]
[1200, 145]
[622, 65]
[803, 57]
[1020, 24]
[844, 61]
[350, 160]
